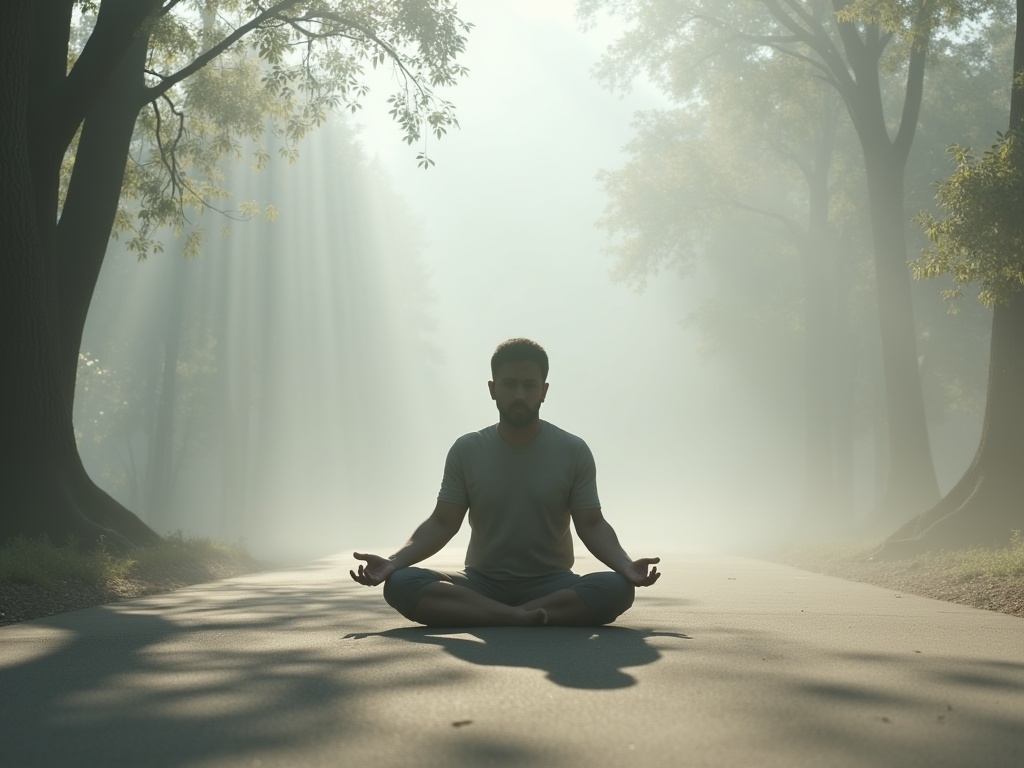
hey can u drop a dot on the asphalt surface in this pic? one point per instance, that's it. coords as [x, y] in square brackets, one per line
[725, 662]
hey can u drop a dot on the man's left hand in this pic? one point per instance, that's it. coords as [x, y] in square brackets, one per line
[639, 575]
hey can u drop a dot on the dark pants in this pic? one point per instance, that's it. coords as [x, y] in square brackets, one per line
[606, 594]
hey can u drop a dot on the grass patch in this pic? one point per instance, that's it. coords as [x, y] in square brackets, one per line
[992, 579]
[958, 566]
[970, 564]
[39, 562]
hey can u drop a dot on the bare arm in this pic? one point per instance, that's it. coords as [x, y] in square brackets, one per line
[599, 537]
[428, 539]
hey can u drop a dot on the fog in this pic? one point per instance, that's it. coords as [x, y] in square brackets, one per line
[337, 352]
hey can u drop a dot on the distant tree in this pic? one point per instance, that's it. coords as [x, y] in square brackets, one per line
[214, 393]
[754, 152]
[980, 240]
[139, 59]
[144, 408]
[850, 44]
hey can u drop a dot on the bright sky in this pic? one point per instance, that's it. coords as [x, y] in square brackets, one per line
[509, 213]
[559, 11]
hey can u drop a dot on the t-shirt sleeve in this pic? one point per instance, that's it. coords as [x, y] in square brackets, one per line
[453, 482]
[584, 486]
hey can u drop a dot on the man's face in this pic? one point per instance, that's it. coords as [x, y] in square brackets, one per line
[518, 391]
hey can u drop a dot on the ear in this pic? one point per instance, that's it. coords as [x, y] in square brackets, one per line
[490, 388]
[544, 392]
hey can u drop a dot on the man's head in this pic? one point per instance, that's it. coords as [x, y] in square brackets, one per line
[518, 351]
[519, 368]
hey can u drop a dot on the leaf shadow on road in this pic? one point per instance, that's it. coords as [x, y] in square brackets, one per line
[573, 657]
[886, 709]
[228, 675]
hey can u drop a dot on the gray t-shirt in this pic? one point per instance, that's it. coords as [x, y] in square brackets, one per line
[519, 498]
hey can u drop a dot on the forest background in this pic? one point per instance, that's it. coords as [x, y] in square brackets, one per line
[298, 347]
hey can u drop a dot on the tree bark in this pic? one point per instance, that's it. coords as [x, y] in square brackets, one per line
[93, 197]
[911, 485]
[160, 458]
[987, 504]
[819, 333]
[45, 489]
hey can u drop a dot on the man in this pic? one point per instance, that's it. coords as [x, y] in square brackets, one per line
[521, 481]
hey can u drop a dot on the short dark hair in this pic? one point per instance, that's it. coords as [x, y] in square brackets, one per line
[517, 351]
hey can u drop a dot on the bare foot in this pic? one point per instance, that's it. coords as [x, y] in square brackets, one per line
[531, 617]
[536, 617]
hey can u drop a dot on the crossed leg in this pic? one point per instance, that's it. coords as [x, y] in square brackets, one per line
[443, 604]
[437, 599]
[564, 608]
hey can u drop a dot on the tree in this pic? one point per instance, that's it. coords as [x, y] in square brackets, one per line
[850, 44]
[753, 153]
[141, 55]
[981, 240]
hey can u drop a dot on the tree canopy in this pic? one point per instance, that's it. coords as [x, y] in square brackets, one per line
[138, 100]
[218, 72]
[979, 238]
[749, 80]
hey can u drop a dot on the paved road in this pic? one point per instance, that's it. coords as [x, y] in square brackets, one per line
[725, 662]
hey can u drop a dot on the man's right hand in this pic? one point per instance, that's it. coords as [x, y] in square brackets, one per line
[376, 570]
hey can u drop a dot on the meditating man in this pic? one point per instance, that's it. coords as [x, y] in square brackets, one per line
[521, 481]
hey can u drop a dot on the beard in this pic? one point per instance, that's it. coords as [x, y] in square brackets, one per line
[519, 415]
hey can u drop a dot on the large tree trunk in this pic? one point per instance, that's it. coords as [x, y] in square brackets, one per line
[910, 485]
[40, 468]
[819, 335]
[987, 504]
[844, 376]
[160, 458]
[45, 489]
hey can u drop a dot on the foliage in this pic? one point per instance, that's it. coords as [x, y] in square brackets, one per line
[219, 71]
[911, 17]
[958, 566]
[115, 404]
[100, 388]
[658, 203]
[39, 561]
[977, 563]
[178, 550]
[981, 237]
[738, 143]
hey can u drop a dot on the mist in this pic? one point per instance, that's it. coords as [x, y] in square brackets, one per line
[327, 359]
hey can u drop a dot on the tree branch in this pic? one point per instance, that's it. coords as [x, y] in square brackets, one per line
[169, 157]
[168, 7]
[169, 81]
[800, 12]
[814, 36]
[794, 229]
[799, 30]
[856, 49]
[116, 26]
[915, 79]
[372, 36]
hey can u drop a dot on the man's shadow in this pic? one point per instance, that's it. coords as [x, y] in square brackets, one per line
[575, 657]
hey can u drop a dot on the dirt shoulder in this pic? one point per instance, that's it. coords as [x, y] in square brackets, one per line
[1004, 594]
[21, 602]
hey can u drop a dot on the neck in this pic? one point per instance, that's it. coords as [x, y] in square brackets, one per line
[518, 435]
